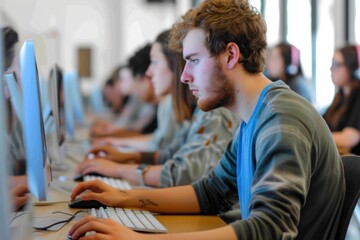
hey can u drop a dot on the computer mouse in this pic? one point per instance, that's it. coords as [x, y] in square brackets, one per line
[79, 203]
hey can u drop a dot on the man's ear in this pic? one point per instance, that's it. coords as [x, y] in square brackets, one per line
[233, 55]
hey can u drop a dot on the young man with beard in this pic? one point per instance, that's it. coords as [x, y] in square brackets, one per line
[282, 166]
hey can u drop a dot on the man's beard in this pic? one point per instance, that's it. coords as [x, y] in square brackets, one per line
[221, 92]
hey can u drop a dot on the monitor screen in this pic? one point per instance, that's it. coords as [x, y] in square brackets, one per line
[56, 97]
[77, 97]
[68, 106]
[74, 112]
[97, 101]
[34, 135]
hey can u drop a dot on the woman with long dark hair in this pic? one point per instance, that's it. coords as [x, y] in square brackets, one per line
[343, 114]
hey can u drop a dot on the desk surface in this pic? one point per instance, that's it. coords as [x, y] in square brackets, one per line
[174, 223]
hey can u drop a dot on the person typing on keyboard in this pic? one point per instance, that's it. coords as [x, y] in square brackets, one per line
[282, 166]
[196, 144]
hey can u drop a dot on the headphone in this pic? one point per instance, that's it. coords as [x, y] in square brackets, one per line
[295, 60]
[357, 71]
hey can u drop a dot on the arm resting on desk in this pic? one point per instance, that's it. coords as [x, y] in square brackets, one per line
[166, 200]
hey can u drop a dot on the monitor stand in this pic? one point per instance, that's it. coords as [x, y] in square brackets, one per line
[53, 195]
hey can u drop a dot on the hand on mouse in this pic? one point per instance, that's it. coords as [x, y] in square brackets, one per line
[99, 191]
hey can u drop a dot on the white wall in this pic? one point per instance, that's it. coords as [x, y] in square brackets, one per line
[113, 28]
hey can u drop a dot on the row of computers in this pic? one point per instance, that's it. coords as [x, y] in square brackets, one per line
[48, 111]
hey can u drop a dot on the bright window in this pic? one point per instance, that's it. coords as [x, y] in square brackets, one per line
[256, 3]
[357, 21]
[299, 32]
[272, 19]
[325, 44]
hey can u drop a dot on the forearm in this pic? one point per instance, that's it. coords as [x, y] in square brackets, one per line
[151, 176]
[347, 138]
[140, 142]
[176, 200]
[226, 232]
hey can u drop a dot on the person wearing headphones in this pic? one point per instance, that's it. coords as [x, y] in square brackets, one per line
[343, 114]
[284, 63]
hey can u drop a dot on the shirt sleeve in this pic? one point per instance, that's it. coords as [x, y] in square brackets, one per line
[171, 148]
[218, 192]
[281, 180]
[202, 150]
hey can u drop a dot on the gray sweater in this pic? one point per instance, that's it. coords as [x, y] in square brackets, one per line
[298, 185]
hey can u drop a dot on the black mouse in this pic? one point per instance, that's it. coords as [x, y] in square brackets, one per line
[79, 203]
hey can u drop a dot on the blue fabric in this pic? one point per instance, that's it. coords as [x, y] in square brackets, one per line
[245, 167]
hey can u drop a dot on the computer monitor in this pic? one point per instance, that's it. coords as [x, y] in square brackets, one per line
[39, 133]
[97, 101]
[45, 99]
[76, 99]
[55, 95]
[34, 136]
[69, 106]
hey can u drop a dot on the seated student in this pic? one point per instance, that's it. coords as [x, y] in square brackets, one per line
[283, 166]
[138, 115]
[143, 88]
[343, 114]
[284, 63]
[110, 92]
[197, 147]
[16, 149]
[113, 99]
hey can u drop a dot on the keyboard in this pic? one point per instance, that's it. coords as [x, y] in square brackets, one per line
[137, 220]
[114, 182]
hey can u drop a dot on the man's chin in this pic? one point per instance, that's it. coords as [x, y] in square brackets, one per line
[206, 106]
[211, 104]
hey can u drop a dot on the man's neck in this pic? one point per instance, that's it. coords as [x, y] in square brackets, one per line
[247, 91]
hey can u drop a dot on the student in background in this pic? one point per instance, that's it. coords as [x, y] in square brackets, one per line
[16, 149]
[111, 95]
[194, 150]
[165, 115]
[138, 115]
[343, 114]
[282, 166]
[114, 99]
[284, 64]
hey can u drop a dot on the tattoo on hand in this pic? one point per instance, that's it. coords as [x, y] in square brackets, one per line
[147, 202]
